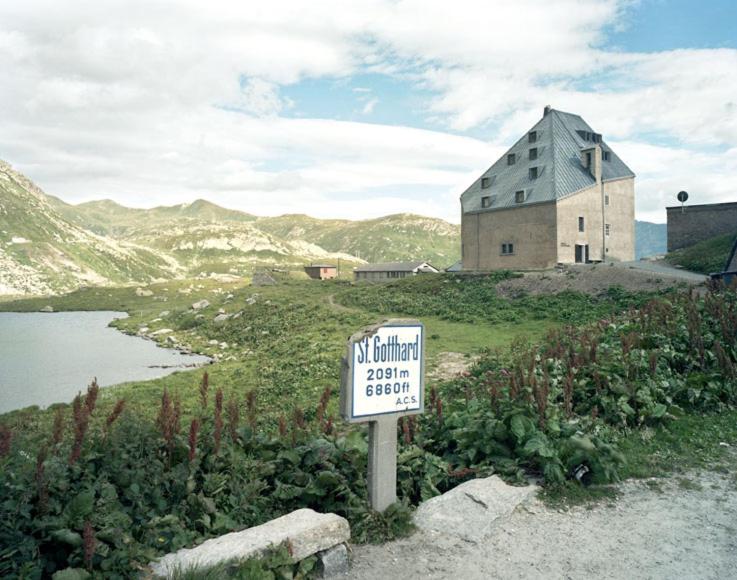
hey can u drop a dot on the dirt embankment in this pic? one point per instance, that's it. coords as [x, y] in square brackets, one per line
[591, 279]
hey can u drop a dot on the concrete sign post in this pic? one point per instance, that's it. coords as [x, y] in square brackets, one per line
[383, 378]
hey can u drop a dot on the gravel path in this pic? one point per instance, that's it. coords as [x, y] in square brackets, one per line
[598, 278]
[679, 528]
[663, 268]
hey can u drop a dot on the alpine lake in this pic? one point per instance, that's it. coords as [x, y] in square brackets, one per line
[47, 358]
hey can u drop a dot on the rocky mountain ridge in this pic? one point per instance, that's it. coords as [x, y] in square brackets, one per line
[49, 246]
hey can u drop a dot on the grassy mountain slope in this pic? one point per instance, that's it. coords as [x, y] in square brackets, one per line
[386, 239]
[48, 245]
[41, 251]
[705, 257]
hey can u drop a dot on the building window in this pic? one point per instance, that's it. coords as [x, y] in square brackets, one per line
[485, 183]
[511, 158]
[486, 201]
[606, 155]
[533, 153]
[507, 249]
[533, 172]
[606, 200]
[519, 196]
[580, 224]
[532, 137]
[607, 229]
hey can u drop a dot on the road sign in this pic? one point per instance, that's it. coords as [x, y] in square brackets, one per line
[382, 379]
[682, 196]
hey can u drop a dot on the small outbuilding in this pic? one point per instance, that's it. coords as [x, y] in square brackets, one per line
[321, 271]
[392, 271]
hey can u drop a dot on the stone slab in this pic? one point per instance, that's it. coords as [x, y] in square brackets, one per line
[305, 531]
[470, 510]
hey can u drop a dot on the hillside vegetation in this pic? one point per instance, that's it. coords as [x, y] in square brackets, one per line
[705, 257]
[110, 485]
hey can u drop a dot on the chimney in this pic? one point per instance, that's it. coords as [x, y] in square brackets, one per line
[546, 110]
[591, 160]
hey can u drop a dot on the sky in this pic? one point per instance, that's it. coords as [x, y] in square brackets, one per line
[358, 109]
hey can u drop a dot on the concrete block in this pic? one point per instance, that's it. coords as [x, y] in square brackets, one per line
[305, 531]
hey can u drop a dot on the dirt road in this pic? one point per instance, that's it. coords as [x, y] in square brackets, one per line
[683, 528]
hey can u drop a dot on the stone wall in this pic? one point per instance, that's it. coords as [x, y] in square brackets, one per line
[699, 222]
[531, 230]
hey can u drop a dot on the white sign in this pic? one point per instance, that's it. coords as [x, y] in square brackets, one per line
[387, 368]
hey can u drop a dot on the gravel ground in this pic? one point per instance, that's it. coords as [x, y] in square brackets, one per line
[448, 365]
[598, 278]
[682, 528]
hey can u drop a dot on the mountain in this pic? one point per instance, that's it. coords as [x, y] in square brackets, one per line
[43, 252]
[48, 245]
[650, 239]
[387, 239]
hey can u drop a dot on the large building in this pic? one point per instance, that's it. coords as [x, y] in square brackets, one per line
[559, 195]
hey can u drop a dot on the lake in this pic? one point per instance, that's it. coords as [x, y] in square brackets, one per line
[48, 358]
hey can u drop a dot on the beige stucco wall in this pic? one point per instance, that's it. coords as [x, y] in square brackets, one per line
[530, 228]
[619, 214]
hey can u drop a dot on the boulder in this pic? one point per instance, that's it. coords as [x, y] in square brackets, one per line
[333, 562]
[161, 331]
[47, 308]
[199, 305]
[221, 317]
[305, 531]
[470, 510]
[143, 293]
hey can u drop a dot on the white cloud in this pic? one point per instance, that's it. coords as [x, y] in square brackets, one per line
[145, 102]
[260, 98]
[368, 107]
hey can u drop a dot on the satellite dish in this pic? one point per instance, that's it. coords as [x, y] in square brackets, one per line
[682, 196]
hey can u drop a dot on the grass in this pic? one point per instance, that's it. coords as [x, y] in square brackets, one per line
[705, 257]
[688, 443]
[286, 346]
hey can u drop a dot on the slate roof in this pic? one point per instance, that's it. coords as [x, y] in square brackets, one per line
[321, 266]
[560, 172]
[393, 267]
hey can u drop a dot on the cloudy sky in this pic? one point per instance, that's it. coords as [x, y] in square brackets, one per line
[362, 108]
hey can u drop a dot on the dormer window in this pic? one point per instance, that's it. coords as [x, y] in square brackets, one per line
[485, 183]
[606, 155]
[533, 153]
[519, 196]
[533, 172]
[511, 159]
[486, 201]
[532, 137]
